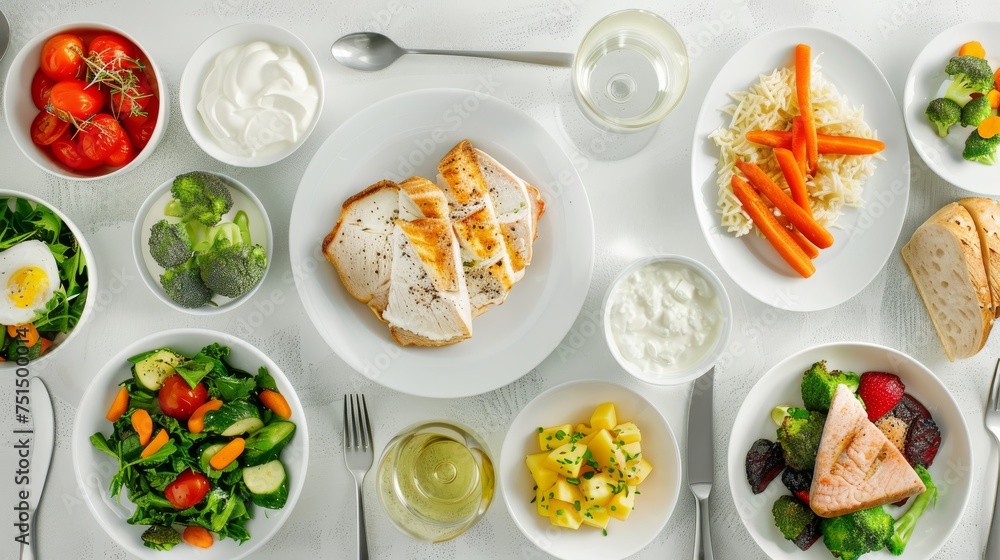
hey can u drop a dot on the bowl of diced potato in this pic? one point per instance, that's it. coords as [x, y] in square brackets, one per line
[590, 469]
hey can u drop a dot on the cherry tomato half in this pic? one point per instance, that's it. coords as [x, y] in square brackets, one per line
[68, 152]
[47, 128]
[123, 153]
[177, 398]
[99, 136]
[41, 85]
[76, 98]
[114, 51]
[187, 490]
[62, 57]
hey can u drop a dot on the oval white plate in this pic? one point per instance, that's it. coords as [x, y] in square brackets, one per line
[407, 135]
[94, 469]
[925, 82]
[573, 403]
[864, 237]
[951, 470]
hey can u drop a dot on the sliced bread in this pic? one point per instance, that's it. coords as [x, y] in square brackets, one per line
[985, 213]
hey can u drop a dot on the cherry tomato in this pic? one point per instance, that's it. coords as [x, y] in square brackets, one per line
[47, 128]
[62, 57]
[150, 112]
[177, 398]
[114, 51]
[140, 134]
[99, 136]
[41, 85]
[76, 98]
[187, 490]
[68, 152]
[123, 152]
[133, 101]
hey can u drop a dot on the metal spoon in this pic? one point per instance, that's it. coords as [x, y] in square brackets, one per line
[4, 34]
[373, 51]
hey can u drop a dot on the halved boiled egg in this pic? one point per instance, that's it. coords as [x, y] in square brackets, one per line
[29, 277]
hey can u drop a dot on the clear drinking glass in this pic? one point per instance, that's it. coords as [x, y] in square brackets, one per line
[435, 480]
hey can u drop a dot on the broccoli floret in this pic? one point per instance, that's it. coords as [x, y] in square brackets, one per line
[943, 113]
[169, 244]
[849, 536]
[199, 196]
[983, 150]
[792, 517]
[903, 528]
[976, 110]
[799, 436]
[969, 74]
[232, 268]
[184, 285]
[819, 385]
[159, 537]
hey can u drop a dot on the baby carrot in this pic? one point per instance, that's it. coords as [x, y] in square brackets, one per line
[196, 423]
[825, 143]
[118, 406]
[799, 218]
[799, 143]
[808, 248]
[793, 176]
[276, 402]
[227, 454]
[779, 237]
[142, 423]
[156, 444]
[803, 77]
[972, 48]
[198, 536]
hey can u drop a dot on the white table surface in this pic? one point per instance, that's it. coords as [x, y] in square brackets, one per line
[642, 206]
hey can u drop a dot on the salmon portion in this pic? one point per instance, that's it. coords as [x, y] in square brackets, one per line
[857, 467]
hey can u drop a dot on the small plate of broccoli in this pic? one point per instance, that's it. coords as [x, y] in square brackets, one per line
[202, 242]
[950, 106]
[771, 506]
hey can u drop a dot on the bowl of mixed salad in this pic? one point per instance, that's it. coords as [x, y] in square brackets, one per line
[190, 441]
[46, 279]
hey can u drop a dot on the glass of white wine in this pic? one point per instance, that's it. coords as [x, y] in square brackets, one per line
[435, 480]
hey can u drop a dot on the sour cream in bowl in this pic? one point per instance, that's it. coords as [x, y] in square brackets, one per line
[251, 94]
[666, 319]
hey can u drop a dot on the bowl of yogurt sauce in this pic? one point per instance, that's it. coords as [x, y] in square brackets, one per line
[666, 319]
[251, 94]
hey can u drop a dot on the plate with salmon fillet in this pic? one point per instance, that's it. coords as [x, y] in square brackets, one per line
[850, 450]
[442, 243]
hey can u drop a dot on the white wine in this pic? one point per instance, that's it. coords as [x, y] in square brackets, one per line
[435, 480]
[630, 70]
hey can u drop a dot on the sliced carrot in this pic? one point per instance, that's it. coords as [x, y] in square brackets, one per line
[26, 333]
[156, 443]
[779, 237]
[196, 423]
[799, 218]
[972, 48]
[198, 536]
[994, 97]
[803, 77]
[118, 406]
[996, 79]
[46, 344]
[227, 454]
[276, 402]
[799, 143]
[142, 423]
[990, 127]
[793, 176]
[826, 143]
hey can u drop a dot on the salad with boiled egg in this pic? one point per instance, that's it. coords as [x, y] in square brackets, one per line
[43, 279]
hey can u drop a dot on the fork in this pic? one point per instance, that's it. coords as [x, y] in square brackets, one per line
[358, 455]
[993, 425]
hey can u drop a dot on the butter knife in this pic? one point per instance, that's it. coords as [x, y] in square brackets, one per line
[43, 440]
[701, 462]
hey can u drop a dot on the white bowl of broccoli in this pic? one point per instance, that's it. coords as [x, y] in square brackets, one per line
[202, 242]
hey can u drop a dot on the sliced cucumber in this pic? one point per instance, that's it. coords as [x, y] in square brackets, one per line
[265, 444]
[206, 455]
[267, 484]
[151, 371]
[233, 419]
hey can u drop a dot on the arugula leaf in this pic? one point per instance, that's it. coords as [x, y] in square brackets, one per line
[46, 223]
[229, 388]
[101, 443]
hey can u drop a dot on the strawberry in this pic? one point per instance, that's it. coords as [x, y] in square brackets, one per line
[881, 392]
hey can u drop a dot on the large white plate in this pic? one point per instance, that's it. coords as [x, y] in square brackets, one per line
[865, 237]
[951, 469]
[927, 81]
[407, 135]
[573, 403]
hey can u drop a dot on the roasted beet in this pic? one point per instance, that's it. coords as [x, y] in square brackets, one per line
[901, 503]
[764, 462]
[909, 409]
[922, 442]
[809, 535]
[798, 482]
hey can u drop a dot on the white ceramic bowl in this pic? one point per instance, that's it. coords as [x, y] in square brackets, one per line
[92, 285]
[201, 62]
[151, 212]
[710, 355]
[20, 110]
[951, 471]
[94, 469]
[573, 403]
